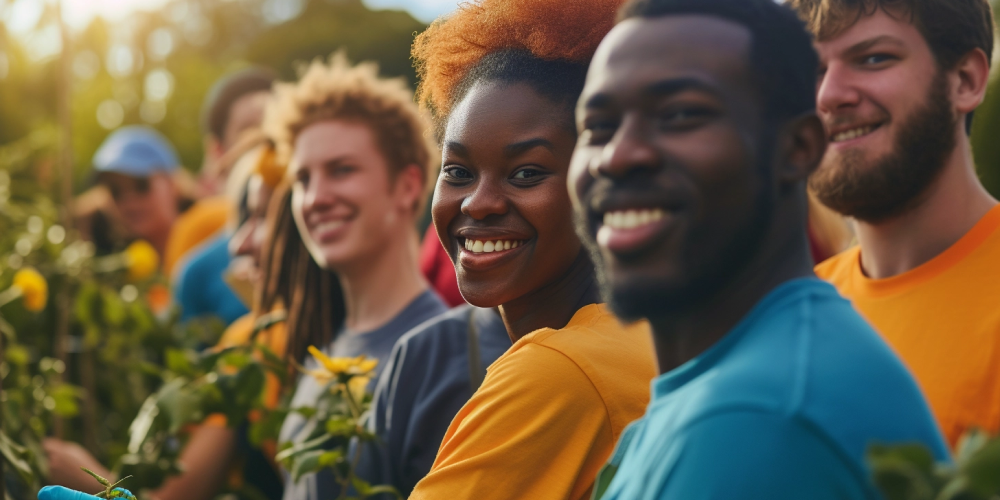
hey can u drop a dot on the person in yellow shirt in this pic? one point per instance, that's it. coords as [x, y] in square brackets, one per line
[899, 84]
[502, 78]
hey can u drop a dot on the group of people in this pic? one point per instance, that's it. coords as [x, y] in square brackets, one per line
[631, 197]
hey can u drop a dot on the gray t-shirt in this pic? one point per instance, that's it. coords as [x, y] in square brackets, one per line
[374, 344]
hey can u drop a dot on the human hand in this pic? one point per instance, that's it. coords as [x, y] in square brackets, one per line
[65, 459]
[63, 493]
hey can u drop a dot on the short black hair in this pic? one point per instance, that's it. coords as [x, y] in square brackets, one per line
[558, 80]
[782, 56]
[228, 90]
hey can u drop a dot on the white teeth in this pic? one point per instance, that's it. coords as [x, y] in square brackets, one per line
[480, 246]
[853, 133]
[633, 218]
[328, 226]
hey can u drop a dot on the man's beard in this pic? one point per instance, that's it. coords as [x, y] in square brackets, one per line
[877, 190]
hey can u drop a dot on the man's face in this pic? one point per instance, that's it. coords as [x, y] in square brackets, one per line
[885, 105]
[148, 205]
[247, 112]
[667, 180]
[345, 201]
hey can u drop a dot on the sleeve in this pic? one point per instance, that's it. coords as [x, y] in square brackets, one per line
[757, 455]
[537, 428]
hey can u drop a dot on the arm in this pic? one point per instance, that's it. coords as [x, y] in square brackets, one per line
[65, 459]
[747, 454]
[205, 459]
[537, 428]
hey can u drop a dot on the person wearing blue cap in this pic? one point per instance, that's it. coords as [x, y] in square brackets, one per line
[137, 166]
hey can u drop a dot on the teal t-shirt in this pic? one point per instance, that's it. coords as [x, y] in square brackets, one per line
[785, 406]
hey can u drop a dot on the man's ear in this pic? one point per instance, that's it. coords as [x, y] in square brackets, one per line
[969, 79]
[409, 188]
[803, 144]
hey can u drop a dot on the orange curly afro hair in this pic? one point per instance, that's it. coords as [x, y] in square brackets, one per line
[550, 30]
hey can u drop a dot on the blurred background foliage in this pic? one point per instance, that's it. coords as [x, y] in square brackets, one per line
[156, 67]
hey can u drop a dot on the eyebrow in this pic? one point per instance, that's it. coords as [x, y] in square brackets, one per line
[519, 148]
[658, 89]
[867, 44]
[457, 147]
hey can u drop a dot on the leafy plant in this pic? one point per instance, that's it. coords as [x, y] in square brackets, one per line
[909, 472]
[110, 490]
[340, 413]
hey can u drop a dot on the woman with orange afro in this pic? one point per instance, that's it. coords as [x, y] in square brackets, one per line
[501, 78]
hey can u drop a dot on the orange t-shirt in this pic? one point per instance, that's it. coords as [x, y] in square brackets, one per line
[205, 218]
[943, 319]
[548, 413]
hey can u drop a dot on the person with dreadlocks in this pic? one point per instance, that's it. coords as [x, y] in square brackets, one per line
[359, 168]
[501, 78]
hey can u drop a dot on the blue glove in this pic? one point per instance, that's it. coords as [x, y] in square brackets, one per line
[63, 493]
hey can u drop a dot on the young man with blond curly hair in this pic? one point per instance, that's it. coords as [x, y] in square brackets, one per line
[360, 167]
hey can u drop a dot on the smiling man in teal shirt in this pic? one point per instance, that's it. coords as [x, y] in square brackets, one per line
[697, 133]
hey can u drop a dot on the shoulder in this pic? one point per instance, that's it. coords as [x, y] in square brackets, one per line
[836, 269]
[237, 333]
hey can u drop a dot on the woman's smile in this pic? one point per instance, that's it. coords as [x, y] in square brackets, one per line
[484, 254]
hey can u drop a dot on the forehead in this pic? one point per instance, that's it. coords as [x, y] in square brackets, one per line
[881, 27]
[329, 139]
[639, 52]
[500, 108]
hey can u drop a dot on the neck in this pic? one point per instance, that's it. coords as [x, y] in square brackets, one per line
[684, 334]
[950, 208]
[381, 286]
[553, 305]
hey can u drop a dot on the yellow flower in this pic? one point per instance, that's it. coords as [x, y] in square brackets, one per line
[358, 366]
[141, 260]
[357, 387]
[34, 289]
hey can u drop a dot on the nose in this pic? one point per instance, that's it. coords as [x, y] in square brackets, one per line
[630, 149]
[241, 242]
[486, 199]
[835, 90]
[318, 195]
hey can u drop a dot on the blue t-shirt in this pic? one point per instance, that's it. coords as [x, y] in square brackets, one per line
[426, 382]
[784, 407]
[200, 289]
[376, 344]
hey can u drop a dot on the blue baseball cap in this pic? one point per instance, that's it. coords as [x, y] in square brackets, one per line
[136, 151]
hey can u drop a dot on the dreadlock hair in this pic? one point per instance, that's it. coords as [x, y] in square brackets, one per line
[311, 296]
[546, 44]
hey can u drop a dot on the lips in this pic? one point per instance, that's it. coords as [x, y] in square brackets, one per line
[329, 230]
[842, 134]
[627, 231]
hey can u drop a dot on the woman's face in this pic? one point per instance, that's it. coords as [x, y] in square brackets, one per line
[501, 207]
[248, 240]
[344, 201]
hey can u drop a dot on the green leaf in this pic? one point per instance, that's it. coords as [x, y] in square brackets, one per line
[113, 308]
[329, 458]
[306, 463]
[17, 355]
[104, 482]
[15, 455]
[302, 447]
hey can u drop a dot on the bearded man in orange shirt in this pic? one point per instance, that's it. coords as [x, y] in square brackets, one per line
[898, 83]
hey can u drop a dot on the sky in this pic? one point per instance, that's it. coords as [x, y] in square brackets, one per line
[23, 13]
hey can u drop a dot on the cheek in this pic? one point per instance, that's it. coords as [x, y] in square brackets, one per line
[578, 179]
[445, 206]
[550, 212]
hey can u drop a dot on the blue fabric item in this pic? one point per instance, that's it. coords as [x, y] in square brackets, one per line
[424, 385]
[784, 407]
[377, 344]
[63, 493]
[136, 151]
[199, 288]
